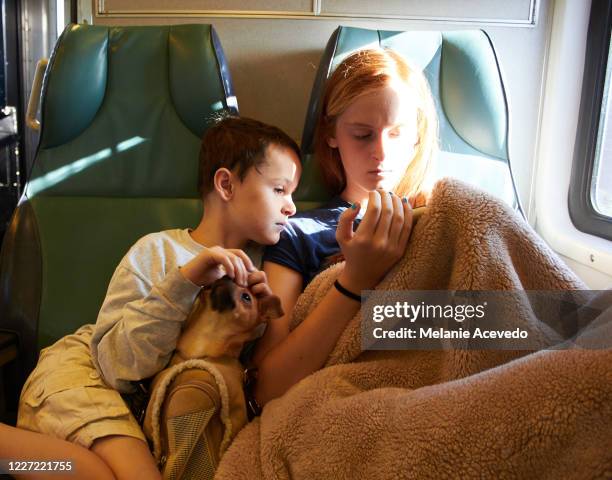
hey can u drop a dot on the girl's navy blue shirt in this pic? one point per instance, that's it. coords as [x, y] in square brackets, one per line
[308, 240]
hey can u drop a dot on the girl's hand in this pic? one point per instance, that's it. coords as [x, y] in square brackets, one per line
[378, 243]
[213, 263]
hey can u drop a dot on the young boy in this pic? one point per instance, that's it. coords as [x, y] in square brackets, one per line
[248, 171]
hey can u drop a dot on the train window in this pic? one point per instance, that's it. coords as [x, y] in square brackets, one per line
[60, 17]
[590, 195]
[601, 184]
[62, 12]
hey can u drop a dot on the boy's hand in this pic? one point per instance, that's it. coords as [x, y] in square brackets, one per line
[258, 284]
[215, 262]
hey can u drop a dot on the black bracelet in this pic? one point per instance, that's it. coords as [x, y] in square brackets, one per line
[346, 293]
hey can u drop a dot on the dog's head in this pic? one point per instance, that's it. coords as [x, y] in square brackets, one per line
[224, 318]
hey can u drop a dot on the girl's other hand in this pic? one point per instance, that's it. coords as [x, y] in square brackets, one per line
[378, 243]
[215, 262]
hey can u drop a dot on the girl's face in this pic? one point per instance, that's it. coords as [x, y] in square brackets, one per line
[376, 137]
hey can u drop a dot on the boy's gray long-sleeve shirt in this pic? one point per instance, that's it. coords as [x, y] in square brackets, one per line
[147, 301]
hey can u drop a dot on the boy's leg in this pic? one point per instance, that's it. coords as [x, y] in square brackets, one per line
[127, 457]
[19, 444]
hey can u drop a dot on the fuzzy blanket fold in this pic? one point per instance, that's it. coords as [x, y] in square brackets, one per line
[444, 413]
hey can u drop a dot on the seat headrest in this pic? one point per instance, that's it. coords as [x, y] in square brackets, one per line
[113, 96]
[462, 71]
[465, 81]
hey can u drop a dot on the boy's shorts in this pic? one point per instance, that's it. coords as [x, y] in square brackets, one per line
[65, 397]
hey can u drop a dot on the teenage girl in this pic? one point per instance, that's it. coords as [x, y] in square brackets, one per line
[375, 138]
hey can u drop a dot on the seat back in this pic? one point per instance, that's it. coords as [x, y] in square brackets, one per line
[465, 80]
[123, 110]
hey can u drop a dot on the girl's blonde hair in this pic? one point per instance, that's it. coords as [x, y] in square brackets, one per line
[362, 73]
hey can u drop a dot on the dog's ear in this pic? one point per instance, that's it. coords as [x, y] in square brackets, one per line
[270, 308]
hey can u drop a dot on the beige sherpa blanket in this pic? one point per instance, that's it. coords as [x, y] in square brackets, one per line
[444, 413]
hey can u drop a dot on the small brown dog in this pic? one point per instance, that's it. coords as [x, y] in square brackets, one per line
[225, 318]
[197, 404]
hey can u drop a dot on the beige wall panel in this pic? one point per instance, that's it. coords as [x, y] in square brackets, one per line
[195, 5]
[516, 10]
[273, 64]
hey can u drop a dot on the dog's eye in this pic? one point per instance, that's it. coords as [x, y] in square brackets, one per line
[245, 297]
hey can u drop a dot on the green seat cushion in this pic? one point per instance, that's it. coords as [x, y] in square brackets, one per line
[82, 241]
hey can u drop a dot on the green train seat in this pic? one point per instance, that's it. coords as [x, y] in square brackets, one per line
[465, 80]
[123, 110]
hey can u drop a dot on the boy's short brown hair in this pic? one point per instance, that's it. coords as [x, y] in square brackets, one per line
[237, 143]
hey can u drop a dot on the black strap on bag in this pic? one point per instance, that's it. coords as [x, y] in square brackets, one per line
[137, 402]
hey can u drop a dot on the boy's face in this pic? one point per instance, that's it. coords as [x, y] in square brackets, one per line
[263, 199]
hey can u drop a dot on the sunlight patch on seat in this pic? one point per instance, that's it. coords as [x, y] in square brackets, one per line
[127, 144]
[60, 174]
[56, 176]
